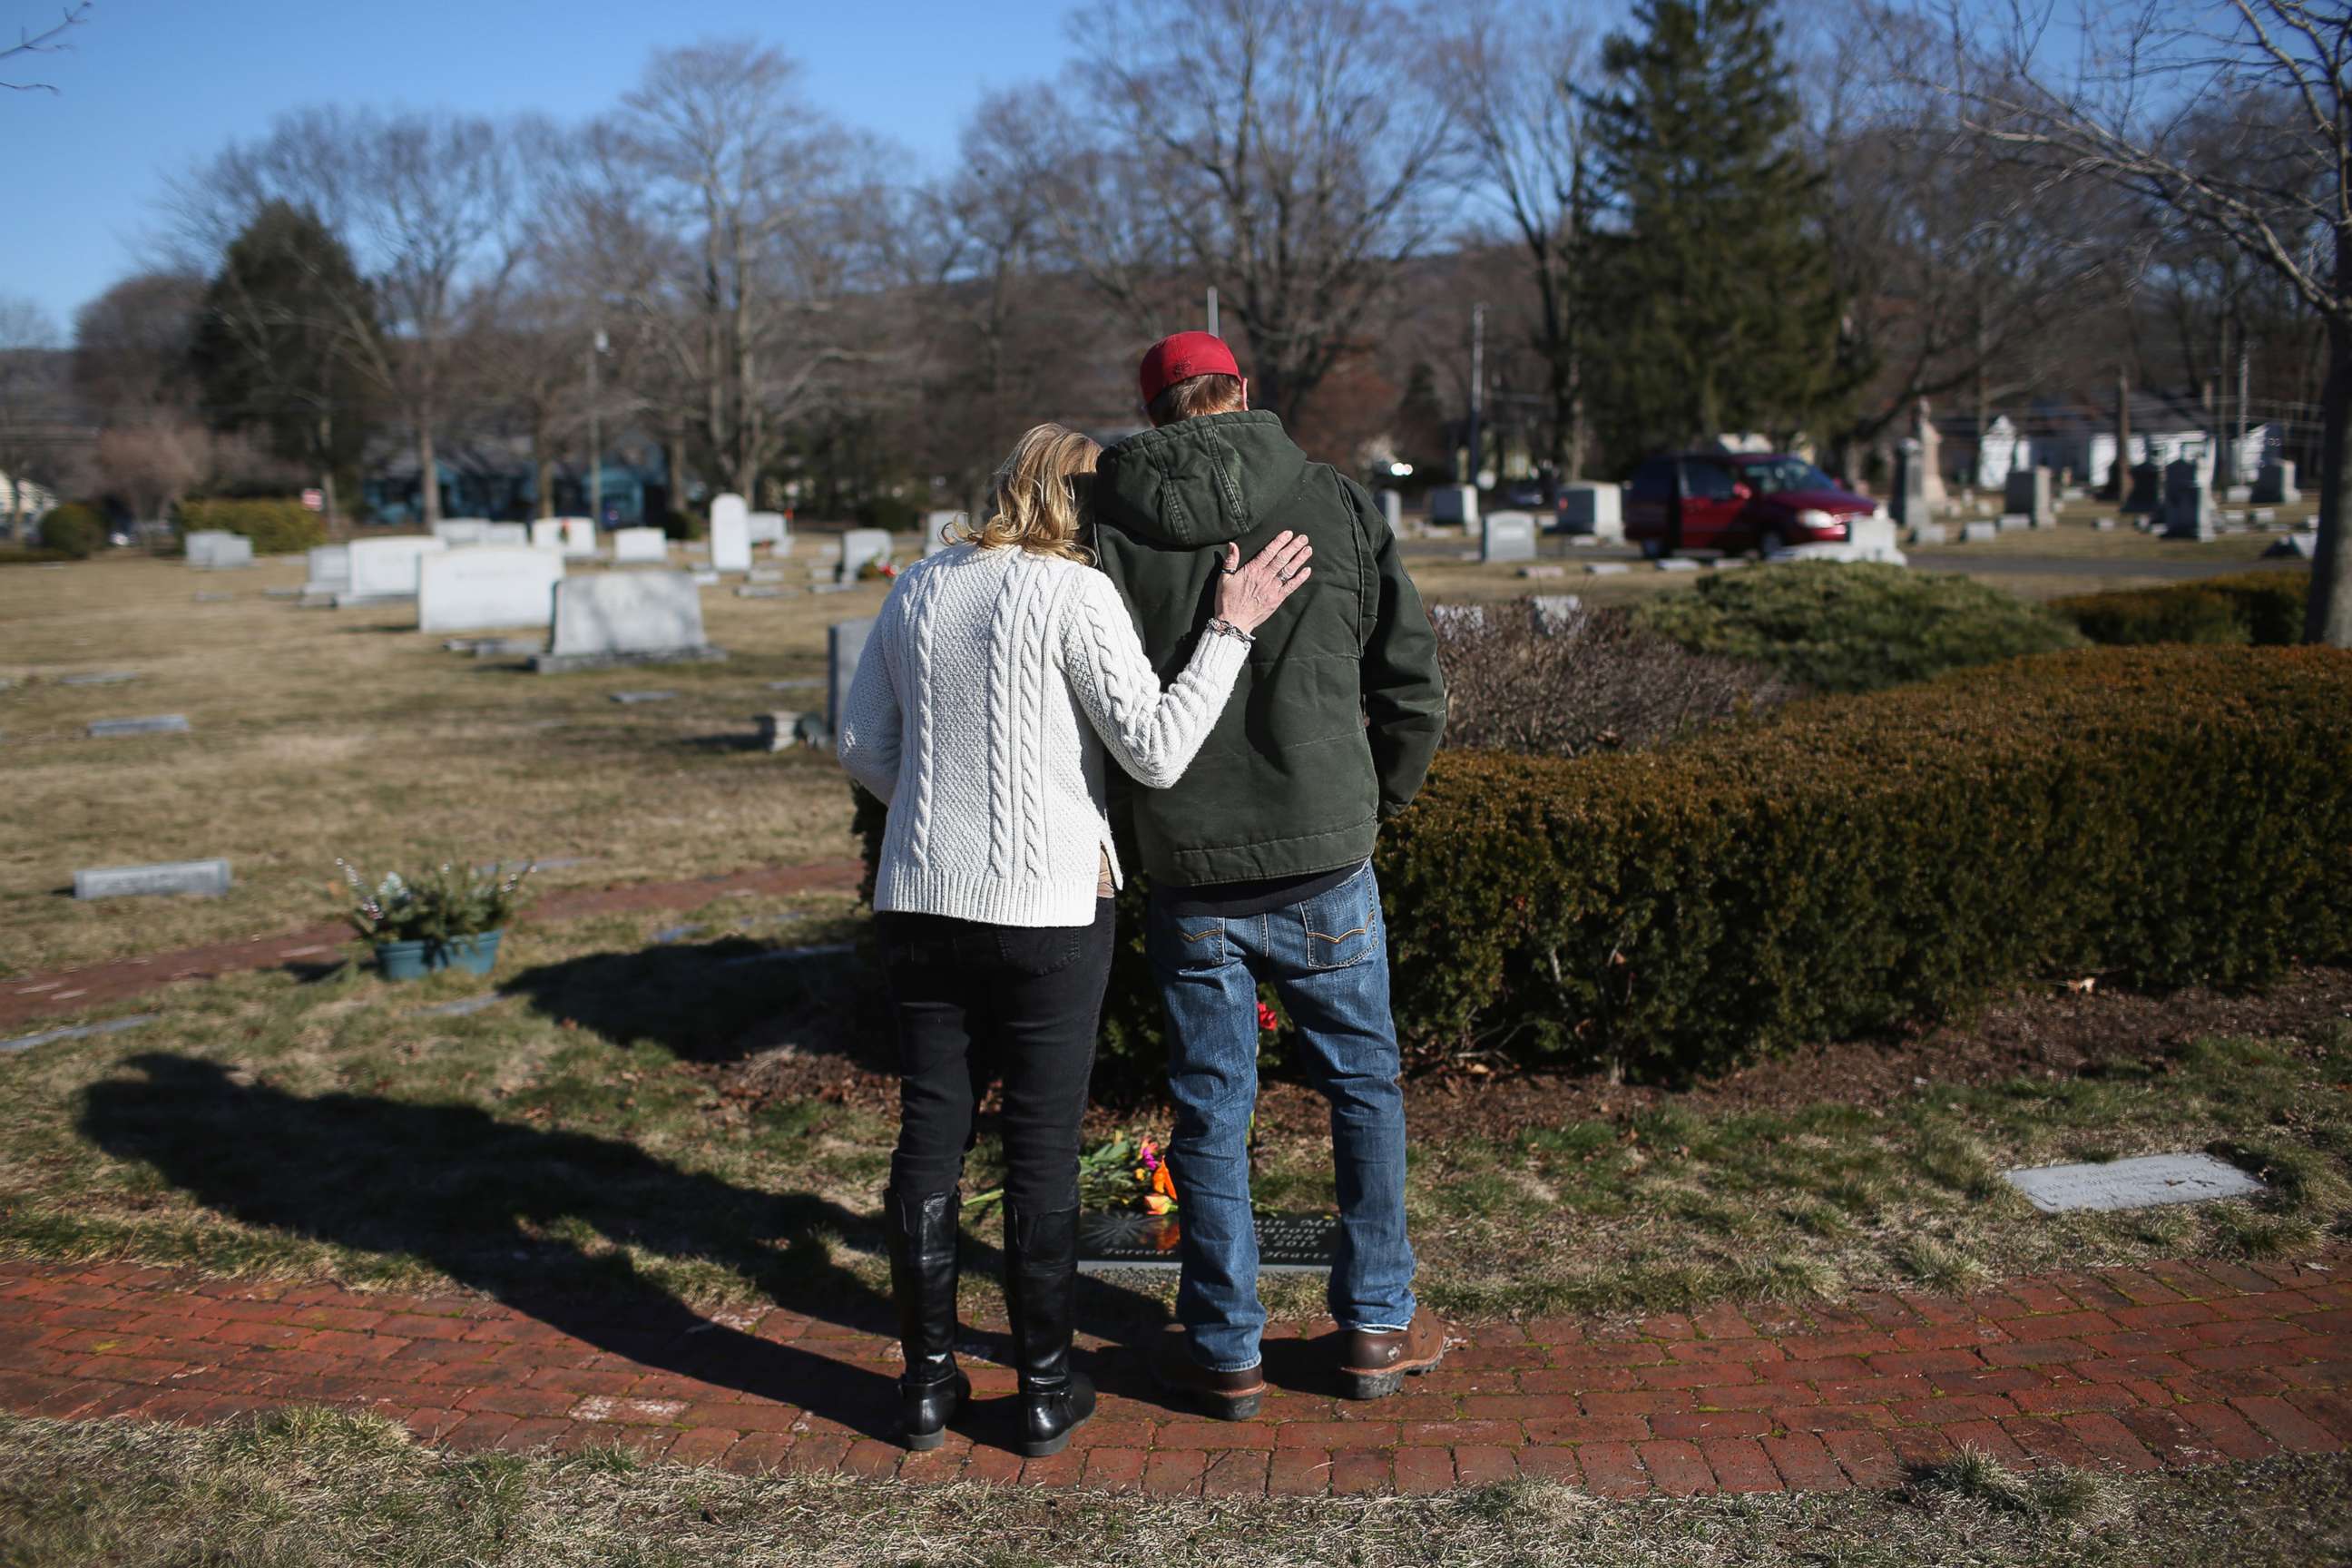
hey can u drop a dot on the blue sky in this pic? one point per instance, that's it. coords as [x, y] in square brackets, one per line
[152, 86]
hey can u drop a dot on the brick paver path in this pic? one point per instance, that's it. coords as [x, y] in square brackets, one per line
[2175, 1365]
[66, 991]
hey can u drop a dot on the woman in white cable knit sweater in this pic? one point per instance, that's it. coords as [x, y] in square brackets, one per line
[999, 675]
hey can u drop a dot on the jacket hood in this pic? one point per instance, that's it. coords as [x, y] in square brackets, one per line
[1199, 482]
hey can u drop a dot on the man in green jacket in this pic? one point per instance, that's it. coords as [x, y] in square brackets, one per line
[1260, 856]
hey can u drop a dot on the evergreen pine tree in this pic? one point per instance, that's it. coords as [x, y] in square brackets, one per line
[1715, 309]
[279, 345]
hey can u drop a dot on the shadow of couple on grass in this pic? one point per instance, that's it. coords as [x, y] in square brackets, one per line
[506, 1209]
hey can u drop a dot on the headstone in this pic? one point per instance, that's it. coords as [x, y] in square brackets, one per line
[2147, 491]
[212, 550]
[1931, 456]
[626, 617]
[860, 546]
[330, 570]
[773, 529]
[208, 878]
[1929, 534]
[99, 678]
[632, 546]
[2142, 1182]
[2303, 546]
[1392, 509]
[730, 536]
[632, 699]
[80, 1032]
[937, 526]
[1910, 498]
[2275, 486]
[1116, 1240]
[1457, 620]
[1453, 503]
[778, 731]
[547, 533]
[1676, 563]
[762, 591]
[2188, 504]
[705, 579]
[386, 569]
[1548, 570]
[464, 1007]
[459, 531]
[1552, 613]
[157, 724]
[515, 534]
[578, 538]
[1510, 536]
[1979, 533]
[845, 644]
[2028, 493]
[2013, 522]
[487, 585]
[1597, 511]
[499, 648]
[764, 575]
[1606, 568]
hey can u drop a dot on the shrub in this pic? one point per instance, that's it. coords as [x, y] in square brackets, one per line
[1841, 627]
[74, 531]
[2265, 608]
[276, 527]
[892, 512]
[1858, 863]
[1594, 682]
[685, 525]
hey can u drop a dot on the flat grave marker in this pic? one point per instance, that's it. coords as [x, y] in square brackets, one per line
[99, 678]
[631, 699]
[206, 878]
[80, 1032]
[154, 724]
[2143, 1183]
[1114, 1239]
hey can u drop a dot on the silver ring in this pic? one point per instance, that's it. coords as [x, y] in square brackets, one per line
[1282, 576]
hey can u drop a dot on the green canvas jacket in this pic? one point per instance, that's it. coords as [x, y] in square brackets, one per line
[1334, 721]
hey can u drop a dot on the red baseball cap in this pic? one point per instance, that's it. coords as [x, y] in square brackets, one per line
[1183, 357]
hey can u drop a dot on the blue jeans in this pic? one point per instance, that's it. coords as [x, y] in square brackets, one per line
[1328, 959]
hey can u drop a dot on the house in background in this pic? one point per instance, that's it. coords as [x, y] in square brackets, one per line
[2078, 435]
[23, 499]
[496, 478]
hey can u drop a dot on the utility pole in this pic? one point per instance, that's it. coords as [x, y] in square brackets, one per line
[2240, 472]
[1477, 387]
[595, 438]
[1212, 311]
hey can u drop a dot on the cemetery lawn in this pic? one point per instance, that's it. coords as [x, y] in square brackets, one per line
[326, 733]
[709, 1119]
[308, 1488]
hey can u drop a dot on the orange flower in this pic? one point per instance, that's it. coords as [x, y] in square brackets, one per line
[1155, 1204]
[1163, 1184]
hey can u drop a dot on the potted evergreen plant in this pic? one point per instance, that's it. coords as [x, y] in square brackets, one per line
[451, 918]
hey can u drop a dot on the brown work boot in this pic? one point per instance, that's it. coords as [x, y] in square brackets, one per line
[1227, 1395]
[1373, 1362]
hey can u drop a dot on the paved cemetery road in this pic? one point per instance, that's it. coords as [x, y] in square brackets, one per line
[1988, 564]
[2174, 1365]
[80, 990]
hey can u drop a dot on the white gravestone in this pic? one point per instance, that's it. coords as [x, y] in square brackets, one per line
[462, 530]
[2188, 504]
[634, 546]
[578, 538]
[626, 617]
[2132, 1183]
[212, 550]
[845, 643]
[208, 878]
[937, 526]
[331, 569]
[385, 569]
[1596, 509]
[1510, 536]
[730, 536]
[773, 529]
[486, 587]
[1552, 613]
[1453, 503]
[547, 533]
[508, 533]
[859, 546]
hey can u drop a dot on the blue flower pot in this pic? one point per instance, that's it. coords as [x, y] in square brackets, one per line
[414, 959]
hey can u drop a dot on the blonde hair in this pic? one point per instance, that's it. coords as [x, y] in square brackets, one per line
[1196, 395]
[1034, 500]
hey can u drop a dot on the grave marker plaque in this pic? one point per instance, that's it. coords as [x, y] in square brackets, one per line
[206, 878]
[156, 724]
[2143, 1183]
[1287, 1243]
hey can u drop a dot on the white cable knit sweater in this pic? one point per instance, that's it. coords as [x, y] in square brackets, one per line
[975, 716]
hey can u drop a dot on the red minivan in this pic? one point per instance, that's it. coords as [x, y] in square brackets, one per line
[1737, 501]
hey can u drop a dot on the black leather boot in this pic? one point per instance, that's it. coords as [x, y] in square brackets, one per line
[1041, 1288]
[922, 1231]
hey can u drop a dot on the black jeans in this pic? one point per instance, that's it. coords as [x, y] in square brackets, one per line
[972, 1003]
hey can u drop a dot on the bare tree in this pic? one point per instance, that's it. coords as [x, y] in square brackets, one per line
[2116, 103]
[427, 204]
[727, 222]
[49, 40]
[1518, 72]
[28, 399]
[130, 347]
[1287, 152]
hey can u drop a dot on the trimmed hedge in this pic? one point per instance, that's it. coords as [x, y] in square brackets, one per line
[276, 527]
[1860, 863]
[1838, 627]
[73, 530]
[2265, 608]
